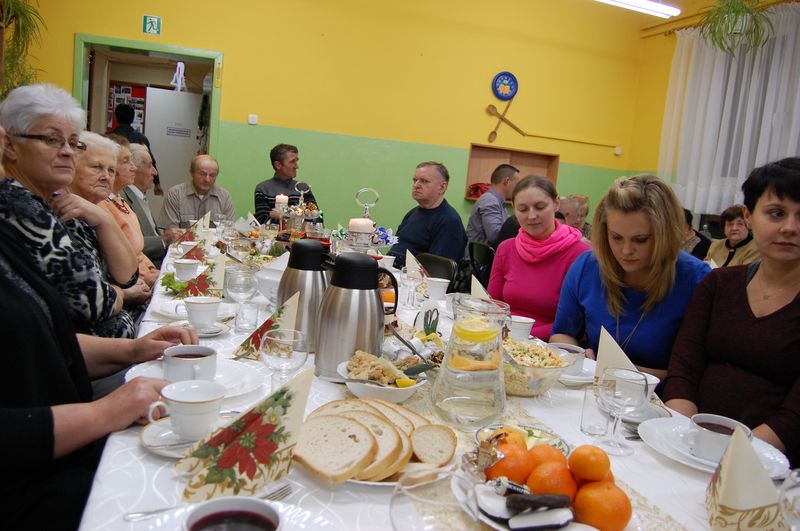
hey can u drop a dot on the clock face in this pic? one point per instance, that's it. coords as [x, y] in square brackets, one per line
[504, 86]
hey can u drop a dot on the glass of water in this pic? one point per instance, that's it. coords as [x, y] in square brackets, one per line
[240, 285]
[284, 351]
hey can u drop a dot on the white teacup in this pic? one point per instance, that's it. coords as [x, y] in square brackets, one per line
[184, 268]
[230, 506]
[437, 288]
[187, 246]
[710, 434]
[578, 354]
[190, 362]
[200, 311]
[192, 405]
[521, 327]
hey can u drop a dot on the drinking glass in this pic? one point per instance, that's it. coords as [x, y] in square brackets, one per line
[621, 391]
[240, 285]
[218, 219]
[412, 277]
[240, 248]
[789, 501]
[284, 351]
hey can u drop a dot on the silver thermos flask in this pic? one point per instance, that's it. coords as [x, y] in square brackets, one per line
[351, 316]
[305, 274]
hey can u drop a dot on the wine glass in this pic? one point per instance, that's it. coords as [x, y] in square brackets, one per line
[789, 501]
[240, 248]
[412, 277]
[621, 391]
[240, 285]
[284, 351]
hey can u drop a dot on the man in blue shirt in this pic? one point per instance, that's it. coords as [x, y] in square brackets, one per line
[489, 211]
[433, 226]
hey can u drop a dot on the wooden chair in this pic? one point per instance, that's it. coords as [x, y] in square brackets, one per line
[439, 266]
[481, 257]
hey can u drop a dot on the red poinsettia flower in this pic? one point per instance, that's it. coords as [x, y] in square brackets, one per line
[229, 434]
[187, 236]
[197, 286]
[258, 336]
[195, 253]
[253, 446]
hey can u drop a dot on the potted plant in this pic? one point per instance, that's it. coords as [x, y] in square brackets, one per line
[20, 26]
[733, 23]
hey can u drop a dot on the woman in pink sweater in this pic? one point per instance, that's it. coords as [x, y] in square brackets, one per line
[528, 270]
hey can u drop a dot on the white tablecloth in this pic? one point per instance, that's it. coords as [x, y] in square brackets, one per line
[131, 479]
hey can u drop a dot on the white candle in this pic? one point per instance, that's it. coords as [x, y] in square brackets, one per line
[281, 199]
[360, 225]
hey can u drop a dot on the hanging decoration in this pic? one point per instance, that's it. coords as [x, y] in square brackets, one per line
[179, 79]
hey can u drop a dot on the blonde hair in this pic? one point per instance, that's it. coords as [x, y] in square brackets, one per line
[653, 197]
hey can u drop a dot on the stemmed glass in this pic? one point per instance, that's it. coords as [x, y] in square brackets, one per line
[412, 278]
[621, 391]
[240, 285]
[789, 501]
[284, 351]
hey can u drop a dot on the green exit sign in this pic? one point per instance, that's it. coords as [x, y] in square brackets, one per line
[151, 25]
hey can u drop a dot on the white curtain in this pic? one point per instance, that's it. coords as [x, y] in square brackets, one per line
[726, 115]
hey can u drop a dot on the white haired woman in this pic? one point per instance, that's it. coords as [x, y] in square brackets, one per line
[56, 227]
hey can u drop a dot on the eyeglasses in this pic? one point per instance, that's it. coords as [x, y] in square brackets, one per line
[54, 141]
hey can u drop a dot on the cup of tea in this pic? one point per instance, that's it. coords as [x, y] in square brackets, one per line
[189, 362]
[187, 246]
[233, 512]
[192, 405]
[521, 327]
[437, 288]
[200, 311]
[710, 435]
[184, 268]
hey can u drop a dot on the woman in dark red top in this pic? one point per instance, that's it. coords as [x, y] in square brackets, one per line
[738, 350]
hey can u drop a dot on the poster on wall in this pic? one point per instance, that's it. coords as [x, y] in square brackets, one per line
[133, 95]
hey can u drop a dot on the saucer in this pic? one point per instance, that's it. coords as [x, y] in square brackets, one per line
[237, 377]
[216, 330]
[665, 436]
[586, 375]
[167, 309]
[158, 438]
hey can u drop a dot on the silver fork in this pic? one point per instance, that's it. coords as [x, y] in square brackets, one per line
[277, 494]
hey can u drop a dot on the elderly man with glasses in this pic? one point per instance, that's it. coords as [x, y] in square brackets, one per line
[192, 200]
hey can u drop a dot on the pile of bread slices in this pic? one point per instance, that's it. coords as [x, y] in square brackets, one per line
[370, 440]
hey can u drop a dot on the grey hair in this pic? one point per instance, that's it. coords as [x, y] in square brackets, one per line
[24, 106]
[136, 154]
[95, 141]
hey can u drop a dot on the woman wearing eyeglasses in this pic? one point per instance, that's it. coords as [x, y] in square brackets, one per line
[57, 227]
[738, 247]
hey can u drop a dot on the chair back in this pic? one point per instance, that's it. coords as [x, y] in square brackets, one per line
[439, 266]
[481, 257]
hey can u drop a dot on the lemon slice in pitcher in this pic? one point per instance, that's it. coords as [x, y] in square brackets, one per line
[475, 331]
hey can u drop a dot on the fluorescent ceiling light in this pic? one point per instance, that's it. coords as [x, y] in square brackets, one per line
[649, 7]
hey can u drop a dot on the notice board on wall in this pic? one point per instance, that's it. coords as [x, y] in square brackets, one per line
[133, 95]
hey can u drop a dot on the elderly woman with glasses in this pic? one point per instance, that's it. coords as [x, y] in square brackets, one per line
[60, 230]
[738, 247]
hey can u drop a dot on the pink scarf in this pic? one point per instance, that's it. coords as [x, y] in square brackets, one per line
[532, 250]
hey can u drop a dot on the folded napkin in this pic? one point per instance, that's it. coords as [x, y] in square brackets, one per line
[477, 290]
[741, 494]
[609, 354]
[252, 451]
[197, 252]
[190, 234]
[204, 223]
[412, 264]
[253, 222]
[242, 226]
[284, 317]
[202, 284]
[217, 269]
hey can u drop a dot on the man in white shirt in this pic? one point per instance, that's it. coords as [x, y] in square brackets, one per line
[136, 196]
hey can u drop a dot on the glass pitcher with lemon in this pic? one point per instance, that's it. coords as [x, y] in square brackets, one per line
[469, 390]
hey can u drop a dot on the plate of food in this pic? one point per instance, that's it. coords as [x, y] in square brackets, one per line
[370, 376]
[371, 442]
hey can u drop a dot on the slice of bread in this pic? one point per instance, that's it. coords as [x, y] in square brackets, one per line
[403, 457]
[434, 444]
[400, 421]
[337, 406]
[416, 420]
[389, 443]
[335, 448]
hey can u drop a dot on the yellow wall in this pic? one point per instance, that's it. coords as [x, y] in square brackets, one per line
[414, 71]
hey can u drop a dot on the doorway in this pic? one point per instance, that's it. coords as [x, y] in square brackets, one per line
[103, 65]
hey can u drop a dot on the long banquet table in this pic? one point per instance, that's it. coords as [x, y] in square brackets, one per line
[665, 494]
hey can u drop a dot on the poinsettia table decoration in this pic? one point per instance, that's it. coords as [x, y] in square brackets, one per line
[197, 252]
[252, 451]
[284, 317]
[202, 284]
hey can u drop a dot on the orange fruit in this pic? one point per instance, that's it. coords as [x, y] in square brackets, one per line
[589, 463]
[603, 505]
[544, 453]
[512, 435]
[552, 478]
[516, 464]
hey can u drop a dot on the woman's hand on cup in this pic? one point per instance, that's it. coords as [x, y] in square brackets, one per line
[152, 345]
[129, 403]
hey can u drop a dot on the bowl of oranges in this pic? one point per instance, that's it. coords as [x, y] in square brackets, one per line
[575, 485]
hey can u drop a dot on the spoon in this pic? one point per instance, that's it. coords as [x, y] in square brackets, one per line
[407, 343]
[494, 112]
[493, 134]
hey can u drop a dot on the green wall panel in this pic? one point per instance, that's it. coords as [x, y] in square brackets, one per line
[336, 166]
